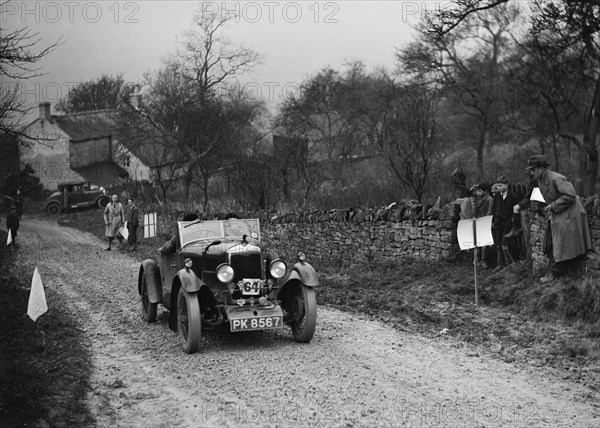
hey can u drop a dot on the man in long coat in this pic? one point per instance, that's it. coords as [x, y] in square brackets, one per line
[133, 221]
[567, 238]
[113, 219]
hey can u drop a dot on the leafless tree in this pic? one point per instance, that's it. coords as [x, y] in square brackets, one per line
[469, 64]
[562, 25]
[20, 53]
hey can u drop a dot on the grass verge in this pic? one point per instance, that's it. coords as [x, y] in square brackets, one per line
[44, 366]
[555, 324]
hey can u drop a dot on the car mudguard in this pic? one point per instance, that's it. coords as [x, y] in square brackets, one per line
[189, 281]
[191, 284]
[302, 272]
[153, 281]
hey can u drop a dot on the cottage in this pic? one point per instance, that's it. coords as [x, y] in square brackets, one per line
[80, 147]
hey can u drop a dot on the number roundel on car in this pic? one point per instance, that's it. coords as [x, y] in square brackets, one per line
[225, 273]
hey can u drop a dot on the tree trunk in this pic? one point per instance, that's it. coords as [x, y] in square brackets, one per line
[589, 141]
[205, 194]
[187, 182]
[480, 147]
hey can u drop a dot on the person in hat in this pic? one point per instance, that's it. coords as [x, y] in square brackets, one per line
[133, 222]
[19, 203]
[477, 204]
[12, 223]
[502, 223]
[483, 207]
[567, 239]
[113, 219]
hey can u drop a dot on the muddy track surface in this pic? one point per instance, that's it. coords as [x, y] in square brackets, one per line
[355, 372]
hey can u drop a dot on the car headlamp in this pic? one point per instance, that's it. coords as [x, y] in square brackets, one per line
[225, 273]
[188, 263]
[278, 269]
[301, 257]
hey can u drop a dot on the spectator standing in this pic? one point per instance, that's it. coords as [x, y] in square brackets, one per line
[19, 203]
[12, 223]
[567, 239]
[502, 223]
[133, 221]
[483, 207]
[113, 220]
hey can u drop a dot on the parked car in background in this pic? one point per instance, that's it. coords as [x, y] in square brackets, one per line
[219, 273]
[76, 195]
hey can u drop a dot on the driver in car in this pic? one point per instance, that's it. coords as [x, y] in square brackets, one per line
[173, 244]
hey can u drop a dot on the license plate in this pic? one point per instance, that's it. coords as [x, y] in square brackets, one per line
[250, 287]
[257, 323]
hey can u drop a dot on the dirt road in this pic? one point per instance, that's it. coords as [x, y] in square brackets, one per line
[355, 372]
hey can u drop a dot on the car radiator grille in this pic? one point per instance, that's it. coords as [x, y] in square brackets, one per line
[247, 266]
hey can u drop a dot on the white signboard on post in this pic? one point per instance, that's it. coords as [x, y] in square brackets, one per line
[480, 237]
[149, 225]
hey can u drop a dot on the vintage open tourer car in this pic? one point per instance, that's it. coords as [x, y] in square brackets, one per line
[220, 273]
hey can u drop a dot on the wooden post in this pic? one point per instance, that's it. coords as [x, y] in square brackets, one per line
[475, 259]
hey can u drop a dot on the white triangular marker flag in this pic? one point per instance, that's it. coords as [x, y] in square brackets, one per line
[123, 231]
[536, 195]
[9, 238]
[37, 305]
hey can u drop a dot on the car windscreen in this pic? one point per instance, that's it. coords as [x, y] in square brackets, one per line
[190, 231]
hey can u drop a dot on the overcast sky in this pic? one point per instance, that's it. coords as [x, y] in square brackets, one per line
[296, 39]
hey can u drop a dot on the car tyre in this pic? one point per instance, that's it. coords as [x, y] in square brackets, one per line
[148, 308]
[189, 323]
[53, 209]
[102, 202]
[304, 307]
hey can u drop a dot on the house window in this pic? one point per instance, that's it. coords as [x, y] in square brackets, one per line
[127, 161]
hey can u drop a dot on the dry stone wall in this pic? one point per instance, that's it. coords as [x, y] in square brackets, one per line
[389, 233]
[361, 235]
[537, 229]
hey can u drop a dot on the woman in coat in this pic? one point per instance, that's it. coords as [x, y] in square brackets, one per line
[567, 238]
[114, 218]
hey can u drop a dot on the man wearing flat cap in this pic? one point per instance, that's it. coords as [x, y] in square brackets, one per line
[567, 238]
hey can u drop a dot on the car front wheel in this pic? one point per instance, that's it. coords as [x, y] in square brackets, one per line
[148, 308]
[304, 313]
[189, 324]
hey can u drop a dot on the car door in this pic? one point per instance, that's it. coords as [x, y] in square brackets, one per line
[87, 195]
[74, 195]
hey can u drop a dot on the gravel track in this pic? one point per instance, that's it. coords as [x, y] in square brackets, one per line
[355, 372]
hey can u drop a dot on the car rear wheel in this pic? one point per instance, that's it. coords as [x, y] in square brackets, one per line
[303, 307]
[53, 209]
[103, 202]
[189, 324]
[148, 308]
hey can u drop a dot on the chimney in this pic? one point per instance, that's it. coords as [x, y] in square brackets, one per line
[135, 99]
[45, 110]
